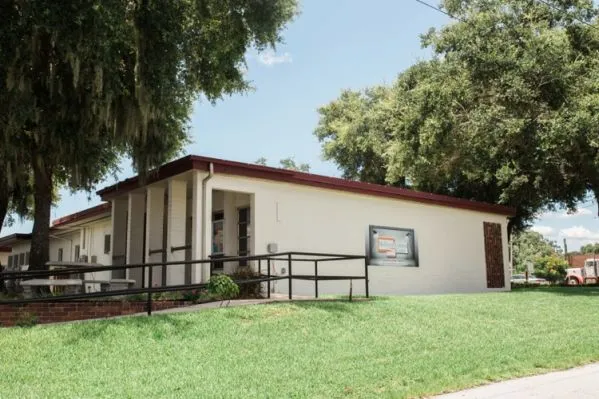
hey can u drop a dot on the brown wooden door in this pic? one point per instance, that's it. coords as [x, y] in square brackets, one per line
[494, 255]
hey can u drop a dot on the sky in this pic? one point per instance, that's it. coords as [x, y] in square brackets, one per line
[331, 46]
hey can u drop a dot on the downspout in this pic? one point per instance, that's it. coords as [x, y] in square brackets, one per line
[204, 210]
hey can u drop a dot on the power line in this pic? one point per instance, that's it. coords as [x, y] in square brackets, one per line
[561, 10]
[424, 3]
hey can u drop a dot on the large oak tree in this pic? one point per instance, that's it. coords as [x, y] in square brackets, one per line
[506, 111]
[89, 81]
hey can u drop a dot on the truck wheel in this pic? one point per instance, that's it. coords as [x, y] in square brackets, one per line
[573, 281]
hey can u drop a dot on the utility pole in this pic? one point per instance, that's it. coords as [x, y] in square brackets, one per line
[565, 249]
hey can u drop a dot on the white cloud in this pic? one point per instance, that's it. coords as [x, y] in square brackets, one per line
[544, 230]
[579, 233]
[270, 58]
[565, 215]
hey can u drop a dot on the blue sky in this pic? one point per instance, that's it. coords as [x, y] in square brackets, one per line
[331, 46]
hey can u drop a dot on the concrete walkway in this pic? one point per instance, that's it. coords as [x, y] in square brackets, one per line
[579, 383]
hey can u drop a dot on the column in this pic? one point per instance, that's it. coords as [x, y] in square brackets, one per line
[176, 223]
[154, 230]
[207, 229]
[196, 226]
[118, 236]
[135, 234]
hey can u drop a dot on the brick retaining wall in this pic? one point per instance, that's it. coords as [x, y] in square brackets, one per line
[68, 311]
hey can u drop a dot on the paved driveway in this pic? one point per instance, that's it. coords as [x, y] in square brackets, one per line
[580, 382]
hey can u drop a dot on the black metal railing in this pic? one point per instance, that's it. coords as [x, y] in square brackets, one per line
[147, 269]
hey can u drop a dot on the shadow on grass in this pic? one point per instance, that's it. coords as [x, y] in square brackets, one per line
[159, 325]
[561, 290]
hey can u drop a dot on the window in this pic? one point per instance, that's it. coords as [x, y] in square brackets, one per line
[59, 258]
[107, 243]
[27, 258]
[83, 238]
[10, 262]
[77, 253]
[243, 234]
[22, 259]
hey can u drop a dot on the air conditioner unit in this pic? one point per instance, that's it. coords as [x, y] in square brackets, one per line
[94, 259]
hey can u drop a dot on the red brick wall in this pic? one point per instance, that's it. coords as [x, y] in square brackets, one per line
[67, 311]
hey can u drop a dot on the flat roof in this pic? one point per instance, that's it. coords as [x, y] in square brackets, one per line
[194, 162]
[9, 240]
[97, 210]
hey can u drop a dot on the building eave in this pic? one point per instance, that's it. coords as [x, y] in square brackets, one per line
[193, 162]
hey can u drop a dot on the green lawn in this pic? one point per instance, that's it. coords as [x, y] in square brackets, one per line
[388, 347]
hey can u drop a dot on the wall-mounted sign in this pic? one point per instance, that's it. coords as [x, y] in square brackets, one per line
[391, 246]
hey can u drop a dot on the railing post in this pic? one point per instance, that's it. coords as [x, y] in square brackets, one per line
[268, 274]
[143, 277]
[316, 278]
[290, 276]
[150, 292]
[366, 275]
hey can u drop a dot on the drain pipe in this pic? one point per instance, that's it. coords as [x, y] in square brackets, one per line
[204, 212]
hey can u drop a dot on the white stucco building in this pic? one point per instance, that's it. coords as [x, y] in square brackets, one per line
[198, 207]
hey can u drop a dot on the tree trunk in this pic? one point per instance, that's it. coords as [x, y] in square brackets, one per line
[42, 192]
[3, 205]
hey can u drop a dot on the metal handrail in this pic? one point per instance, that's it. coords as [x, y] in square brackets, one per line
[282, 256]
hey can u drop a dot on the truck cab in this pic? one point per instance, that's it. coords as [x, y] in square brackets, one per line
[581, 275]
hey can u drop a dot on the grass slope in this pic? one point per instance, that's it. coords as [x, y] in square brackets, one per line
[389, 347]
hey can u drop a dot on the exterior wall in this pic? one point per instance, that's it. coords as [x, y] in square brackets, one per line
[450, 241]
[94, 233]
[4, 258]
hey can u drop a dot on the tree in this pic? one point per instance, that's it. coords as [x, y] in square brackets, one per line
[552, 268]
[92, 81]
[505, 112]
[590, 248]
[286, 163]
[528, 246]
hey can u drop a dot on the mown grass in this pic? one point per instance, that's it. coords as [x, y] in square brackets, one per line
[387, 347]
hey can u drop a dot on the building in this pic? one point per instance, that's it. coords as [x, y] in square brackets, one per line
[198, 207]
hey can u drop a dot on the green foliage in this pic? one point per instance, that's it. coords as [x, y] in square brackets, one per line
[528, 246]
[553, 268]
[83, 85]
[505, 112]
[222, 287]
[286, 163]
[26, 319]
[248, 290]
[590, 248]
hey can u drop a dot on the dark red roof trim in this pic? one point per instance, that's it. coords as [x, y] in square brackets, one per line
[84, 214]
[5, 249]
[307, 179]
[8, 240]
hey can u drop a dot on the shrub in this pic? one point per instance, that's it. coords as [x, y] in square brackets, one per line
[222, 287]
[248, 290]
[552, 268]
[26, 319]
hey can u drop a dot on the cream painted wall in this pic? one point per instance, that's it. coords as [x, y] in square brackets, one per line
[4, 258]
[298, 218]
[94, 240]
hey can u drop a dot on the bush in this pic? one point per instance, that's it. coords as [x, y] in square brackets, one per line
[248, 290]
[26, 319]
[222, 287]
[551, 268]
